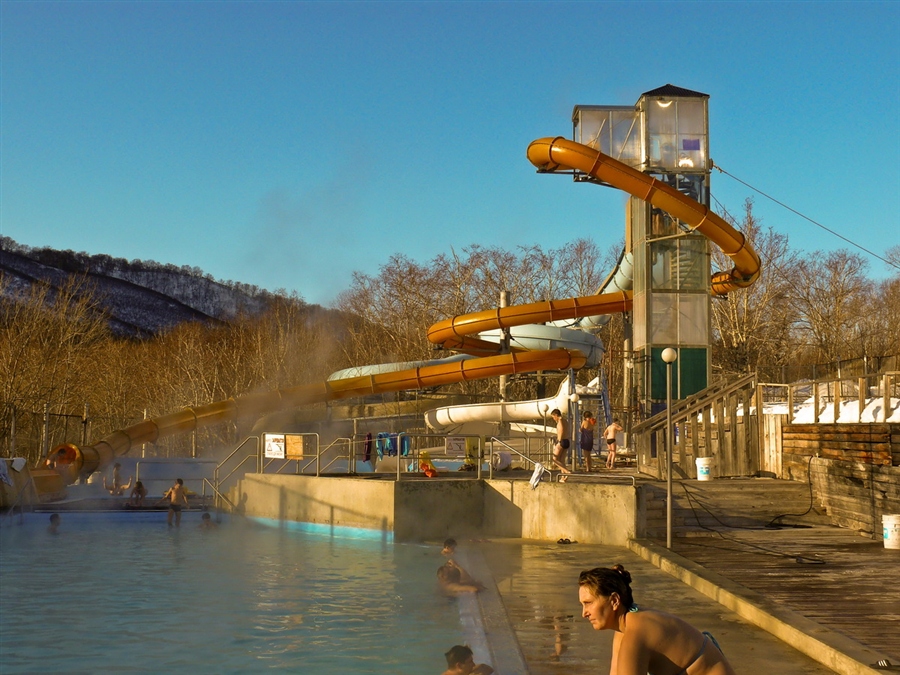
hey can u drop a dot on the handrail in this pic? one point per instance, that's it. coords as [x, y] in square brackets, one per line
[414, 452]
[506, 445]
[320, 450]
[219, 495]
[240, 464]
[494, 439]
[694, 403]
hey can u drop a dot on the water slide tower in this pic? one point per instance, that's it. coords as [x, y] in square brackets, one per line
[665, 134]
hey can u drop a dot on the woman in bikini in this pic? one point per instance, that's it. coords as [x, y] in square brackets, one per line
[646, 640]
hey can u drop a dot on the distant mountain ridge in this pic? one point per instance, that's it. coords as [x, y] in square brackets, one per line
[139, 298]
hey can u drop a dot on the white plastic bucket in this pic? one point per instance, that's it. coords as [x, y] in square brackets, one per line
[891, 525]
[704, 466]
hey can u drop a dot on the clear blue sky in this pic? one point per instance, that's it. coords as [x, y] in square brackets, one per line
[287, 144]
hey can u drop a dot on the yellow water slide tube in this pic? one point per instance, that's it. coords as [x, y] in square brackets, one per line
[560, 154]
[457, 333]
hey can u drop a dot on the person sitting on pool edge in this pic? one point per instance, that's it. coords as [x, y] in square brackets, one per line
[116, 489]
[454, 580]
[136, 499]
[460, 661]
[646, 640]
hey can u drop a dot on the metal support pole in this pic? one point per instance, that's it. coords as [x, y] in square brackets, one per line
[12, 431]
[544, 409]
[45, 441]
[669, 355]
[504, 379]
[84, 423]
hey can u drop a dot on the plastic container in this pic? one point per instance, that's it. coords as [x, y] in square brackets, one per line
[704, 466]
[891, 525]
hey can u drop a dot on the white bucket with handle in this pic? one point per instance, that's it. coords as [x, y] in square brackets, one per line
[891, 525]
[704, 468]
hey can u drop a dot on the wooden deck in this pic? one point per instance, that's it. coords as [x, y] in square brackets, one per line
[838, 578]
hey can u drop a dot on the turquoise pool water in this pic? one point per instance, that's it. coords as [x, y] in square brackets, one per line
[123, 593]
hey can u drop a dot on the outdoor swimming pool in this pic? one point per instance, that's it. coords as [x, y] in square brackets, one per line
[121, 592]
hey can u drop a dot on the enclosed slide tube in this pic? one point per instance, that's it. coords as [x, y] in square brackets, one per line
[560, 154]
[451, 419]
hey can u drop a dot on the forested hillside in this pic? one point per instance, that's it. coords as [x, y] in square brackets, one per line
[138, 298]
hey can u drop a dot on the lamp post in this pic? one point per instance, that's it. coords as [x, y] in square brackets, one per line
[544, 409]
[669, 355]
[573, 420]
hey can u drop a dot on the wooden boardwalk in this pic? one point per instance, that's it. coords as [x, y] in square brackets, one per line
[838, 578]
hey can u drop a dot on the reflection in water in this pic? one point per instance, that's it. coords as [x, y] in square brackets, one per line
[240, 598]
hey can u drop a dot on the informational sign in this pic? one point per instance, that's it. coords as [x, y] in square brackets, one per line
[295, 447]
[456, 445]
[274, 446]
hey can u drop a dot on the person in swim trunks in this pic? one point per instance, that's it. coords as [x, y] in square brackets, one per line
[610, 434]
[562, 443]
[646, 640]
[176, 496]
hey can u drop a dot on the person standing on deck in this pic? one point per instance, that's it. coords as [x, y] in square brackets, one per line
[561, 448]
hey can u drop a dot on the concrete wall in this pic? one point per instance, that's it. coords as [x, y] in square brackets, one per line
[435, 509]
[357, 502]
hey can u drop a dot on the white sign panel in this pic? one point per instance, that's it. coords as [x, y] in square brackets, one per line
[456, 445]
[274, 446]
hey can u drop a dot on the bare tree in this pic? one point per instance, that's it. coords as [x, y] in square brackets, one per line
[752, 326]
[832, 296]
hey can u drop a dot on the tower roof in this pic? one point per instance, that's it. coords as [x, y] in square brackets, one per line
[672, 90]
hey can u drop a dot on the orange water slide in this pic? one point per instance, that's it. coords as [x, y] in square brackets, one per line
[560, 154]
[548, 154]
[97, 456]
[449, 334]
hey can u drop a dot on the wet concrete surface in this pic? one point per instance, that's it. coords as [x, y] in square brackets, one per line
[538, 583]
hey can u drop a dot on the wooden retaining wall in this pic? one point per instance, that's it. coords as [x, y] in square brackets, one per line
[854, 469]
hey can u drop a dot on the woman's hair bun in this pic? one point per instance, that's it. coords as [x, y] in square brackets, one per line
[625, 573]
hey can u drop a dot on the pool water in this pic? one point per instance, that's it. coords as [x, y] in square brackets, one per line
[122, 592]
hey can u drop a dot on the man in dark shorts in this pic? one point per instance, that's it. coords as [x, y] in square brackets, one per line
[562, 443]
[176, 496]
[610, 435]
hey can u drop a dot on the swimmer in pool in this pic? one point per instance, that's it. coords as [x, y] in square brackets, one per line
[646, 640]
[53, 527]
[207, 523]
[460, 661]
[454, 580]
[176, 497]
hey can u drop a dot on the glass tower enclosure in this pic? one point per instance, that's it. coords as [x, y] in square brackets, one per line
[672, 291]
[666, 135]
[613, 130]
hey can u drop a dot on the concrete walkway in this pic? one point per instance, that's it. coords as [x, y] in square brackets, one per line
[810, 598]
[538, 583]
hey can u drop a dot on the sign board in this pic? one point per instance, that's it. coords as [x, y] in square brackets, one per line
[456, 445]
[295, 447]
[274, 446]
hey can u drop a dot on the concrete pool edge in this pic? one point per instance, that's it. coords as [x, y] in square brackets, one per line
[497, 630]
[830, 648]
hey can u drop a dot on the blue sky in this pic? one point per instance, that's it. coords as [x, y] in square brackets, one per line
[288, 144]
